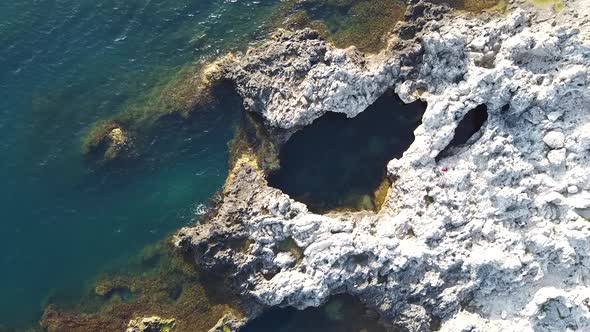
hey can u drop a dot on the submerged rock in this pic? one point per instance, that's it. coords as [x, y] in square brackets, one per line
[490, 237]
[107, 142]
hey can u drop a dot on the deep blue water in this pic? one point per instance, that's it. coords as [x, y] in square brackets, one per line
[65, 64]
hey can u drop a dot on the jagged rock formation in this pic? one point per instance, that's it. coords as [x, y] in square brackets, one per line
[229, 322]
[493, 236]
[295, 77]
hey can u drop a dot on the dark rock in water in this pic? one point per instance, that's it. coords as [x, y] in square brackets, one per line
[223, 240]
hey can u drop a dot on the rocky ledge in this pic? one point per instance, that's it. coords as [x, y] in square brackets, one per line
[492, 235]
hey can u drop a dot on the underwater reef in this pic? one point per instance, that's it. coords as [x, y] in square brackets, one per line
[160, 290]
[191, 90]
[480, 225]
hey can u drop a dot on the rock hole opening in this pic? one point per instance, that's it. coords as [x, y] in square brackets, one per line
[339, 163]
[471, 124]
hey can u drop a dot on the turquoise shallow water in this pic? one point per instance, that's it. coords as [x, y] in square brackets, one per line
[63, 65]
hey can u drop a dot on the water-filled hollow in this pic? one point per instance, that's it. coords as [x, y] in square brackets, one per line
[342, 313]
[339, 162]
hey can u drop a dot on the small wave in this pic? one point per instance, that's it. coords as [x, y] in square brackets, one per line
[200, 209]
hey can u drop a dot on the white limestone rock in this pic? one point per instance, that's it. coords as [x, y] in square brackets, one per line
[503, 244]
[554, 139]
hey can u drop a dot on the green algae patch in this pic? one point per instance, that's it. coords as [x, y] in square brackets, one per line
[162, 283]
[364, 24]
[253, 139]
[558, 5]
[380, 194]
[474, 6]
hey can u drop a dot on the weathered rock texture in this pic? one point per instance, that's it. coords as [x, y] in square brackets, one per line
[492, 237]
[150, 324]
[295, 77]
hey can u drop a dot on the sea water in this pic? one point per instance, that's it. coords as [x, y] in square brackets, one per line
[65, 64]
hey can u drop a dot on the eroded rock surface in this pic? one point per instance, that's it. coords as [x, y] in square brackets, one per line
[150, 324]
[492, 237]
[229, 322]
[295, 77]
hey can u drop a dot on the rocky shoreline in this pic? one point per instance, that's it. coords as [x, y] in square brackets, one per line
[492, 236]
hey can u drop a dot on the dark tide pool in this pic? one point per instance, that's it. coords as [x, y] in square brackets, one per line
[338, 162]
[341, 313]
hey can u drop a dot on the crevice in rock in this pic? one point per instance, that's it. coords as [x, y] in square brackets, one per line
[471, 124]
[435, 323]
[339, 163]
[253, 138]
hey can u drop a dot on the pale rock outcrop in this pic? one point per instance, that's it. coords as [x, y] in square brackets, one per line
[229, 322]
[150, 324]
[492, 237]
[295, 77]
